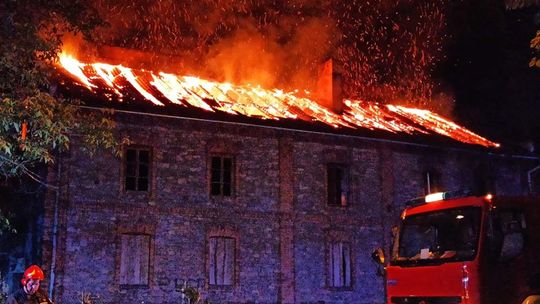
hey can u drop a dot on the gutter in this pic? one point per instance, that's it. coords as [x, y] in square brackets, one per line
[308, 132]
[55, 229]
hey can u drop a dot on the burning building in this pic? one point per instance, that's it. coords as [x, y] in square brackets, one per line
[248, 194]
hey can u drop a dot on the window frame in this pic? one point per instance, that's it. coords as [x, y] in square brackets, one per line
[222, 157]
[534, 185]
[345, 180]
[137, 149]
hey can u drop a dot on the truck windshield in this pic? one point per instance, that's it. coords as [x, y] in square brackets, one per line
[437, 237]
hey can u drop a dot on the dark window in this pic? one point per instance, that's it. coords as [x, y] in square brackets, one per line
[432, 182]
[339, 267]
[507, 233]
[134, 259]
[512, 221]
[221, 175]
[137, 169]
[534, 186]
[221, 261]
[338, 185]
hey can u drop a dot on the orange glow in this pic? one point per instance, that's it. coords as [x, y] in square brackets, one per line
[254, 101]
[441, 125]
[75, 67]
[24, 130]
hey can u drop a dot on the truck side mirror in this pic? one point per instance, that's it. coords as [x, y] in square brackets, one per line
[378, 256]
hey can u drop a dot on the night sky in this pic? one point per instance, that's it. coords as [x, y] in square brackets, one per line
[496, 92]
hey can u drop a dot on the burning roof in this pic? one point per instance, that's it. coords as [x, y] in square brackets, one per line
[162, 89]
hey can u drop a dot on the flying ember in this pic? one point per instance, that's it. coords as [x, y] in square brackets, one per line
[161, 88]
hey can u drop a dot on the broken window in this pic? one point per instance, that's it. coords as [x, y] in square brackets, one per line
[137, 169]
[339, 267]
[337, 185]
[221, 260]
[221, 175]
[134, 259]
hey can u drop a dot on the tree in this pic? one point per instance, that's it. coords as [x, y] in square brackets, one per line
[535, 45]
[34, 122]
[515, 4]
[535, 42]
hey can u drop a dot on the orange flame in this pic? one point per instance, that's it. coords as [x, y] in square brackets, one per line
[266, 104]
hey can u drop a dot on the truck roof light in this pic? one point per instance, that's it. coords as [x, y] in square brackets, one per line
[434, 197]
[489, 197]
[438, 196]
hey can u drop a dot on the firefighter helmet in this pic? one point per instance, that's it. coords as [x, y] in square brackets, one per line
[32, 272]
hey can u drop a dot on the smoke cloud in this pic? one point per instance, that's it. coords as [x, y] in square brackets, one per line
[387, 50]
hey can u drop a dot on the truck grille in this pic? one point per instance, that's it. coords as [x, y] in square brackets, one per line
[426, 300]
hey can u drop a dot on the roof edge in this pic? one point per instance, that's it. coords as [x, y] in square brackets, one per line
[473, 148]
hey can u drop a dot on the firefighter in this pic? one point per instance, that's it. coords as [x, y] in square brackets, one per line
[29, 292]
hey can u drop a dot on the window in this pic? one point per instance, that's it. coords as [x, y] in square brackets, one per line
[339, 268]
[137, 169]
[337, 185]
[507, 233]
[221, 175]
[534, 182]
[432, 182]
[134, 259]
[221, 261]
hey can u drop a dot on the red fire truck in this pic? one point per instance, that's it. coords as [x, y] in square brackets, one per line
[465, 249]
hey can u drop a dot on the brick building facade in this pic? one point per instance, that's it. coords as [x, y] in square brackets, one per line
[248, 213]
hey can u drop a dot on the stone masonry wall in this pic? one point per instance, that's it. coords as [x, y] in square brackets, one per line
[278, 214]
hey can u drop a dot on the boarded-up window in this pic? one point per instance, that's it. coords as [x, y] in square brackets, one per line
[134, 259]
[221, 261]
[221, 175]
[337, 185]
[137, 169]
[339, 267]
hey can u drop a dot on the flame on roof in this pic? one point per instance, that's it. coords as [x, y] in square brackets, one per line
[254, 101]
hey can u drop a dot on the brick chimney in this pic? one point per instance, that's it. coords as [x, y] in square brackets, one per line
[329, 87]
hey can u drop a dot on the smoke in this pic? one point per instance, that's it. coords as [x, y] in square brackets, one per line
[78, 47]
[387, 49]
[268, 58]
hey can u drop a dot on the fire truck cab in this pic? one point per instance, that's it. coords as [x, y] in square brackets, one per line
[465, 249]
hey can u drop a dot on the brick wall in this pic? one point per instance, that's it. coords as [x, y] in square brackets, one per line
[277, 215]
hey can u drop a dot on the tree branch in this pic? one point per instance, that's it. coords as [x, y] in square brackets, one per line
[23, 168]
